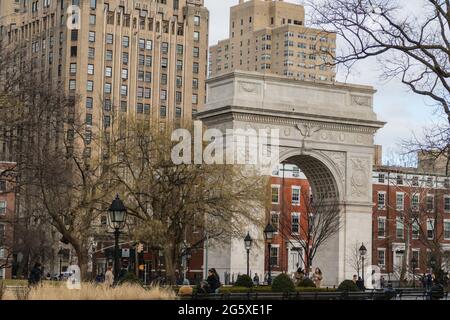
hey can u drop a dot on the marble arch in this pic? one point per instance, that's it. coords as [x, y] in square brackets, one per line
[327, 130]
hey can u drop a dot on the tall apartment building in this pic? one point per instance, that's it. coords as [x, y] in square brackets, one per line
[7, 218]
[271, 37]
[146, 58]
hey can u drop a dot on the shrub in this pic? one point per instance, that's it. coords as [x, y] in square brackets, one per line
[282, 283]
[348, 285]
[131, 278]
[306, 283]
[244, 281]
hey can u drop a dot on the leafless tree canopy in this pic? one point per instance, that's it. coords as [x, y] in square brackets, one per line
[320, 222]
[412, 45]
[173, 203]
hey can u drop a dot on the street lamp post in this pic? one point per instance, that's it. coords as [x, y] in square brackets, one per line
[362, 252]
[248, 244]
[268, 235]
[117, 214]
[414, 266]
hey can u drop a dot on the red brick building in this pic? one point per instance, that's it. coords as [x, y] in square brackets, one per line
[288, 214]
[411, 218]
[7, 210]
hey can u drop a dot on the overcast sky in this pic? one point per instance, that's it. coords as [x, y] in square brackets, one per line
[404, 111]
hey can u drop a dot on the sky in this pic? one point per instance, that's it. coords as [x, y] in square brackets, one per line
[403, 111]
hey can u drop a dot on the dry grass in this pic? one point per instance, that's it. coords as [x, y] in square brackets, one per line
[90, 291]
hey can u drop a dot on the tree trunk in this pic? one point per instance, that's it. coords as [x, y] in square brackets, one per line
[170, 264]
[82, 257]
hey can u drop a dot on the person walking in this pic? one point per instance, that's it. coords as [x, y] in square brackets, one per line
[317, 277]
[109, 277]
[35, 275]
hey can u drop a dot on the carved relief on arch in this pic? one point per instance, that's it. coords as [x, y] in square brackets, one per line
[360, 178]
[249, 87]
[339, 160]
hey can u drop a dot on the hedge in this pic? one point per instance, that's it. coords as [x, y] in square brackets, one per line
[263, 289]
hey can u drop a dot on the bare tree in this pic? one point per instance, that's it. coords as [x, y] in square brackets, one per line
[174, 203]
[319, 223]
[60, 183]
[412, 45]
[354, 260]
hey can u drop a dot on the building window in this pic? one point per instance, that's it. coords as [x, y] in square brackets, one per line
[125, 57]
[123, 90]
[381, 200]
[415, 202]
[195, 67]
[416, 256]
[381, 258]
[162, 111]
[107, 87]
[164, 62]
[178, 112]
[295, 223]
[107, 105]
[140, 108]
[108, 72]
[2, 207]
[196, 20]
[124, 74]
[73, 68]
[142, 44]
[72, 85]
[90, 86]
[447, 203]
[447, 229]
[148, 45]
[89, 119]
[381, 178]
[180, 49]
[194, 99]
[430, 202]
[90, 69]
[93, 4]
[274, 256]
[275, 220]
[163, 95]
[91, 36]
[148, 77]
[400, 201]
[92, 19]
[123, 106]
[196, 36]
[415, 181]
[179, 65]
[108, 55]
[399, 179]
[91, 53]
[147, 93]
[146, 108]
[381, 227]
[275, 194]
[125, 41]
[2, 186]
[194, 83]
[107, 121]
[148, 61]
[163, 79]
[165, 47]
[399, 228]
[296, 196]
[109, 38]
[430, 229]
[415, 230]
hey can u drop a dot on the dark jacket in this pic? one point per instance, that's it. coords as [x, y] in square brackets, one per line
[35, 275]
[213, 282]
